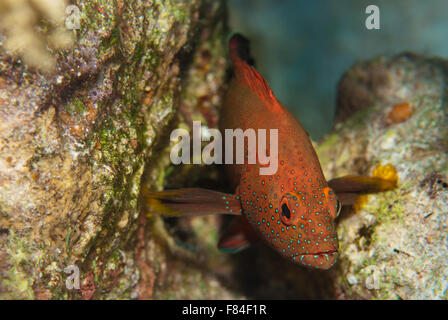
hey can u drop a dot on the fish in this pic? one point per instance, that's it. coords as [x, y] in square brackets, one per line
[294, 210]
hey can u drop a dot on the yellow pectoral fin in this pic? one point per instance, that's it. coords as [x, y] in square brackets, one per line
[349, 188]
[361, 184]
[191, 202]
[157, 206]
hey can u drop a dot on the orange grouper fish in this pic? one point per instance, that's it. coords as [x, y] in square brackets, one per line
[293, 209]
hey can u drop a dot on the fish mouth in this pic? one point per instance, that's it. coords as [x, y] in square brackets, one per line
[320, 253]
[322, 260]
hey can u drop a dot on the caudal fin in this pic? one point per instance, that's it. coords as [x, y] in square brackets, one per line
[240, 46]
[191, 202]
[247, 76]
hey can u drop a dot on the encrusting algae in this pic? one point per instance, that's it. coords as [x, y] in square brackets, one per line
[77, 144]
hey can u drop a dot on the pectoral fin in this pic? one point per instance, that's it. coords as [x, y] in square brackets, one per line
[348, 188]
[238, 236]
[191, 202]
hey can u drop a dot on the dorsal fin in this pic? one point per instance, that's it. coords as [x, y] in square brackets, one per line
[247, 75]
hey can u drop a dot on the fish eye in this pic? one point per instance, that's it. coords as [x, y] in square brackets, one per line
[286, 214]
[285, 211]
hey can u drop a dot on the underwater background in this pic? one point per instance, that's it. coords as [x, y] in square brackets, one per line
[303, 47]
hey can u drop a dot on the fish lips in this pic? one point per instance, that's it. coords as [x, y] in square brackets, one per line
[320, 260]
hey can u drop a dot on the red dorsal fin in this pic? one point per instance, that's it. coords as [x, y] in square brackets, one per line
[247, 76]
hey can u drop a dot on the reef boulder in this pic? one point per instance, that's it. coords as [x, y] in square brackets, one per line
[81, 123]
[393, 245]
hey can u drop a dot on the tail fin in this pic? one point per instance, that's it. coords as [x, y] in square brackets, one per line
[247, 76]
[191, 202]
[240, 45]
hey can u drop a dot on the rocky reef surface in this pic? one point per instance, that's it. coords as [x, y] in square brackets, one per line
[81, 132]
[394, 245]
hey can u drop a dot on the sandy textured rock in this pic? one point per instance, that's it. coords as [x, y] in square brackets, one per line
[393, 245]
[76, 144]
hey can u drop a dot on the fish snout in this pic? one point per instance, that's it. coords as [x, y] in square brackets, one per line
[320, 260]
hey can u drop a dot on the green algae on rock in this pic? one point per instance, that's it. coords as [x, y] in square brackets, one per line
[393, 246]
[77, 143]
